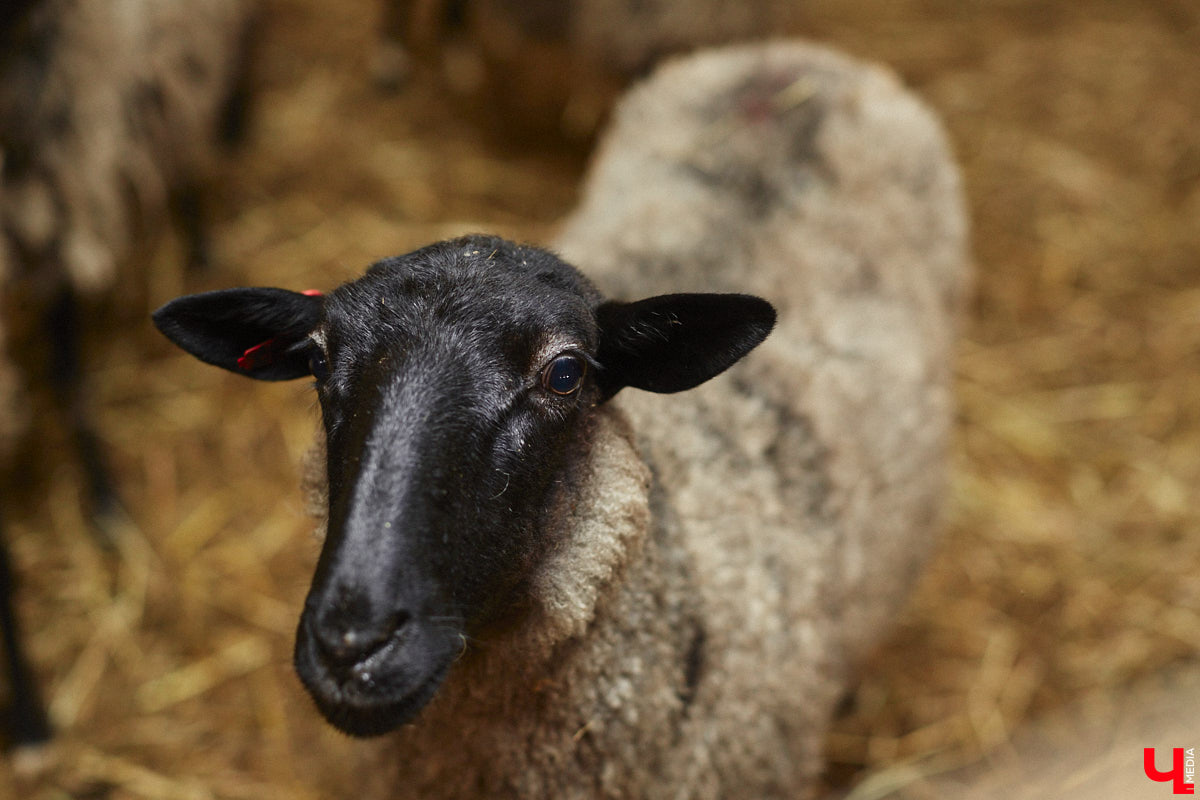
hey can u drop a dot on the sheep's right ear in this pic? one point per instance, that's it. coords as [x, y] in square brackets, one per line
[259, 333]
[674, 342]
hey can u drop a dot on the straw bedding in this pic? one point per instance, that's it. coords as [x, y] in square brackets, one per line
[1071, 563]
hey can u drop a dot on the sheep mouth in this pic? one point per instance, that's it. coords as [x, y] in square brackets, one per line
[366, 717]
[374, 697]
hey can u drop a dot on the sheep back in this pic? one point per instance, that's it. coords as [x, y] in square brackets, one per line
[808, 481]
[818, 182]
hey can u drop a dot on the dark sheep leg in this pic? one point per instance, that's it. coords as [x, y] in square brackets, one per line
[66, 377]
[26, 721]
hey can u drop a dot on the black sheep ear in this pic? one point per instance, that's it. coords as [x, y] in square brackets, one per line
[675, 342]
[259, 333]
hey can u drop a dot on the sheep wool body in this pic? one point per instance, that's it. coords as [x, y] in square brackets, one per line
[109, 113]
[108, 108]
[725, 556]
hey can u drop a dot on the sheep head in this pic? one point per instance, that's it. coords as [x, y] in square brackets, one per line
[452, 382]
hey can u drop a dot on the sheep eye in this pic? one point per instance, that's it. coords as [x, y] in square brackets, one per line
[317, 364]
[564, 375]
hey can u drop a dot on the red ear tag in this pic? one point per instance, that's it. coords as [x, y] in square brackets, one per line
[264, 353]
[258, 356]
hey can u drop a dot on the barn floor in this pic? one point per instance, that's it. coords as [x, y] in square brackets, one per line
[1071, 563]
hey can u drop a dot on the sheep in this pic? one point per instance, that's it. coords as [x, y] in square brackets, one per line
[109, 117]
[543, 585]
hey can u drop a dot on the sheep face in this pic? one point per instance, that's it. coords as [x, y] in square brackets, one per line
[452, 381]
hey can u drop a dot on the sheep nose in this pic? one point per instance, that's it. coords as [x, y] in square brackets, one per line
[345, 642]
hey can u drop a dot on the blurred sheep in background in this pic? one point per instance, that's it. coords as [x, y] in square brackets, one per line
[110, 113]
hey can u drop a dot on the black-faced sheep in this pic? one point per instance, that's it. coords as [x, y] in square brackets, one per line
[109, 117]
[574, 595]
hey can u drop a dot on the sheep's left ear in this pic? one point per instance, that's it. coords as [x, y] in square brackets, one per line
[675, 342]
[259, 333]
